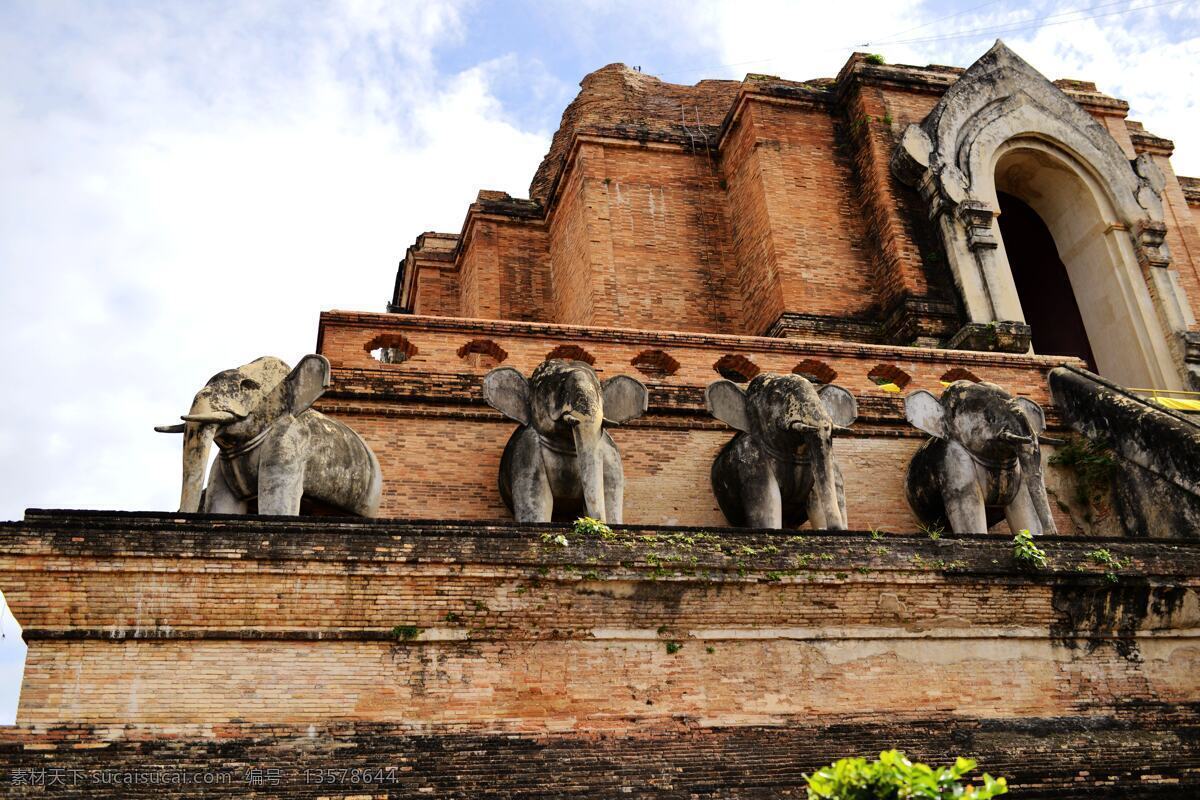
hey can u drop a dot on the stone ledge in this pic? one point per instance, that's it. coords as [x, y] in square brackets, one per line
[1144, 750]
[109, 534]
[723, 342]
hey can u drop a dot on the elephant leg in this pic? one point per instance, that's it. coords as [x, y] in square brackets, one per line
[763, 503]
[533, 500]
[281, 468]
[280, 491]
[614, 486]
[528, 476]
[1022, 514]
[840, 488]
[218, 497]
[816, 508]
[961, 493]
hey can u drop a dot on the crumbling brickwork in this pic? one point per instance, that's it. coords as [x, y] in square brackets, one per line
[369, 635]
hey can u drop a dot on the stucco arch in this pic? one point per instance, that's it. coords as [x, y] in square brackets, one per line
[1102, 208]
[1093, 243]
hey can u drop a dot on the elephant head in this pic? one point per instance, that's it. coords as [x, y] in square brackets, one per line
[787, 417]
[567, 405]
[992, 426]
[238, 406]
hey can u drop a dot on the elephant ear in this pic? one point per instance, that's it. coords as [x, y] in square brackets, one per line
[625, 398]
[506, 390]
[925, 411]
[1033, 412]
[304, 384]
[841, 405]
[727, 402]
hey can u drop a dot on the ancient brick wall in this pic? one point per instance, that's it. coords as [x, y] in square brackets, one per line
[505, 628]
[505, 270]
[766, 207]
[1147, 751]
[573, 285]
[672, 266]
[472, 658]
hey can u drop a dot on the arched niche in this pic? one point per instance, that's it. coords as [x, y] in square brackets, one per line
[1003, 126]
[1093, 243]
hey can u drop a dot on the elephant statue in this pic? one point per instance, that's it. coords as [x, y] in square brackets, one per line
[272, 445]
[561, 459]
[779, 469]
[984, 462]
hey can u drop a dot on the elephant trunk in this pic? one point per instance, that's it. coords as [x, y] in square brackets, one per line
[197, 442]
[591, 468]
[826, 513]
[1031, 468]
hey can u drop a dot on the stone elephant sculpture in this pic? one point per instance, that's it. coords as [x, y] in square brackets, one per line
[561, 459]
[779, 469]
[984, 462]
[272, 445]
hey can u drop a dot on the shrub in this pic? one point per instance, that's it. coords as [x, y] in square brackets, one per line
[406, 633]
[875, 58]
[1093, 463]
[588, 526]
[893, 777]
[1026, 552]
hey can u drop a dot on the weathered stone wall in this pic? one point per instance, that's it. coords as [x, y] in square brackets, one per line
[179, 621]
[760, 207]
[1142, 751]
[495, 661]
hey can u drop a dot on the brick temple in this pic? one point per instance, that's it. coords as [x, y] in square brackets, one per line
[890, 230]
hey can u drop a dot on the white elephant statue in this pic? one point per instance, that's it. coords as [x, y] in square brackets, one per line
[561, 459]
[273, 447]
[983, 463]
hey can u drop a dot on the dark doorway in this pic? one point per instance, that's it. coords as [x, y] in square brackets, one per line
[1042, 283]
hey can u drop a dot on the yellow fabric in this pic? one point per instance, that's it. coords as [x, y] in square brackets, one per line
[1177, 403]
[890, 387]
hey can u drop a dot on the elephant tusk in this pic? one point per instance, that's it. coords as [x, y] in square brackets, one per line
[803, 427]
[218, 417]
[170, 428]
[840, 429]
[1009, 436]
[1051, 440]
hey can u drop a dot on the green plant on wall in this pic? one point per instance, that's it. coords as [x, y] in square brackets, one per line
[406, 633]
[1026, 552]
[894, 777]
[1093, 465]
[587, 526]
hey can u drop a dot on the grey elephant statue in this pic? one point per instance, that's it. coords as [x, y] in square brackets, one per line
[273, 446]
[984, 463]
[561, 460]
[779, 470]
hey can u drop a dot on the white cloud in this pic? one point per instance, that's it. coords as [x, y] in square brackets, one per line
[1149, 56]
[183, 190]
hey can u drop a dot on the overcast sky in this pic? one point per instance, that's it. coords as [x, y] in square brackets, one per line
[184, 186]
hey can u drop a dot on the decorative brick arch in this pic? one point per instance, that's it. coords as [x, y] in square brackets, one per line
[655, 363]
[482, 353]
[390, 348]
[736, 368]
[815, 371]
[572, 352]
[959, 374]
[1000, 111]
[889, 377]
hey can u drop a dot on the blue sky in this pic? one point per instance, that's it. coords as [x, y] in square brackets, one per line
[184, 186]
